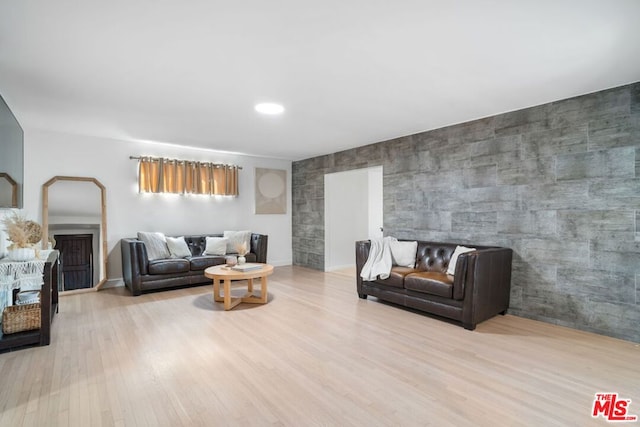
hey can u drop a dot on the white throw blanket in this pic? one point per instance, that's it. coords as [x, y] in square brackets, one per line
[23, 275]
[379, 262]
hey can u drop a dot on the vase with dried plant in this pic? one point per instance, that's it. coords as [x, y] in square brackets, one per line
[242, 251]
[23, 235]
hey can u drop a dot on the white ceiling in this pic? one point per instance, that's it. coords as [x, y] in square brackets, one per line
[349, 72]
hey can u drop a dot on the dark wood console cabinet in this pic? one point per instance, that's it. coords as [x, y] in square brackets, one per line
[48, 307]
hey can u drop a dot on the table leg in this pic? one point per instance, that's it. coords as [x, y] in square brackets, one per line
[227, 294]
[216, 291]
[229, 301]
[262, 298]
[250, 285]
[263, 290]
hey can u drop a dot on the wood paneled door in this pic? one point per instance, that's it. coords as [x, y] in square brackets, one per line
[76, 256]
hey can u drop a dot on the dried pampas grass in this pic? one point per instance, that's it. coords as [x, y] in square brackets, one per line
[242, 249]
[21, 232]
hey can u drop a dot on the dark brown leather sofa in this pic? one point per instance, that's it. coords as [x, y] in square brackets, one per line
[478, 290]
[141, 275]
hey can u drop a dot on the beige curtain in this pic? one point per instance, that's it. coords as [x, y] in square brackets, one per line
[231, 177]
[173, 177]
[148, 175]
[178, 176]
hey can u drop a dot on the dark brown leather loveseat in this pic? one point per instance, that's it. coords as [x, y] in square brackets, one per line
[478, 290]
[141, 275]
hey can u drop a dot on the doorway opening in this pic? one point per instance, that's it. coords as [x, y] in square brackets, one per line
[353, 210]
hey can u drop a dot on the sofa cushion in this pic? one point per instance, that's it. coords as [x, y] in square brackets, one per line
[168, 266]
[202, 262]
[429, 282]
[396, 277]
[251, 257]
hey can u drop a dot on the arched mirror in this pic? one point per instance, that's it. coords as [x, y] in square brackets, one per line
[74, 221]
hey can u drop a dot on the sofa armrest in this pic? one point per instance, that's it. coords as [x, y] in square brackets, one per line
[134, 263]
[460, 276]
[362, 254]
[259, 244]
[487, 284]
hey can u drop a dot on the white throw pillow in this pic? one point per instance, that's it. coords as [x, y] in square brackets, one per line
[454, 258]
[216, 246]
[156, 245]
[237, 238]
[404, 253]
[178, 247]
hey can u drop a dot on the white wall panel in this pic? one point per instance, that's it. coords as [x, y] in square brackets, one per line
[48, 154]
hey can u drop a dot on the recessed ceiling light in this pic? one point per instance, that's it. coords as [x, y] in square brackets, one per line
[269, 108]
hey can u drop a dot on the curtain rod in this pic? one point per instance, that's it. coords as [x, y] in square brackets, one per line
[178, 160]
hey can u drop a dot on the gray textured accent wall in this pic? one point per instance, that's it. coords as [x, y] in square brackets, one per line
[558, 183]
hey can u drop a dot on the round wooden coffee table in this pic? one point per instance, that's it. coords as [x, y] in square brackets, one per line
[224, 274]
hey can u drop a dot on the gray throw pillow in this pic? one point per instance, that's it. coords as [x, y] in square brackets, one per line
[178, 247]
[216, 246]
[156, 245]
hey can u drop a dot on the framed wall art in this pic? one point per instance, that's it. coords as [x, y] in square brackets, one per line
[271, 191]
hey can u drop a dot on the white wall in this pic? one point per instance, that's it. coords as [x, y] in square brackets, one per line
[48, 154]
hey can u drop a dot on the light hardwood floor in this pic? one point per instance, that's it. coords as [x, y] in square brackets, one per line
[315, 355]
